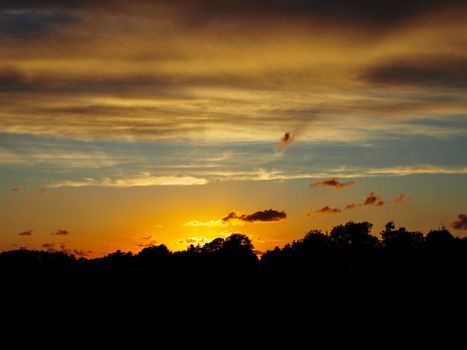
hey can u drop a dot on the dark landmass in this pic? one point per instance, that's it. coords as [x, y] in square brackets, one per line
[346, 289]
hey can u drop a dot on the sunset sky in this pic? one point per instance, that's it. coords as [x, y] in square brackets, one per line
[130, 123]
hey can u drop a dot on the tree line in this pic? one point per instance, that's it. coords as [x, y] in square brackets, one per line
[348, 248]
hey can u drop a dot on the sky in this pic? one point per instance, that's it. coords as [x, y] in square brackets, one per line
[125, 124]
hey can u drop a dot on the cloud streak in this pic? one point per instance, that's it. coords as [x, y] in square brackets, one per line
[333, 183]
[144, 179]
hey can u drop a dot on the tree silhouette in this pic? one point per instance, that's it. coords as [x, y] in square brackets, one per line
[356, 235]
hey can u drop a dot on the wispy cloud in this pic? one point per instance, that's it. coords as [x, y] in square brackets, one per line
[414, 170]
[15, 190]
[144, 179]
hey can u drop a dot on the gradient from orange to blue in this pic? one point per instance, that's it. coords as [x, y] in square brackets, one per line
[130, 123]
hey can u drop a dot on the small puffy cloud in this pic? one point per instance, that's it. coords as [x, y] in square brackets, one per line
[460, 223]
[193, 240]
[286, 140]
[374, 200]
[332, 183]
[56, 247]
[402, 197]
[26, 233]
[328, 210]
[61, 232]
[49, 247]
[15, 190]
[370, 200]
[81, 253]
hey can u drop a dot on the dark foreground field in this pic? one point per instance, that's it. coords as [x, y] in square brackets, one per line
[343, 290]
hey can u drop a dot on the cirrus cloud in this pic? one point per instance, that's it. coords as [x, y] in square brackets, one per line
[144, 179]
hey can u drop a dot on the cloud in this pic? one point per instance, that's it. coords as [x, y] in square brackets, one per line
[39, 192]
[15, 190]
[402, 197]
[151, 243]
[238, 219]
[26, 233]
[61, 232]
[327, 210]
[423, 71]
[144, 179]
[194, 240]
[81, 253]
[374, 200]
[258, 216]
[333, 183]
[371, 200]
[460, 223]
[50, 247]
[286, 141]
[413, 170]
